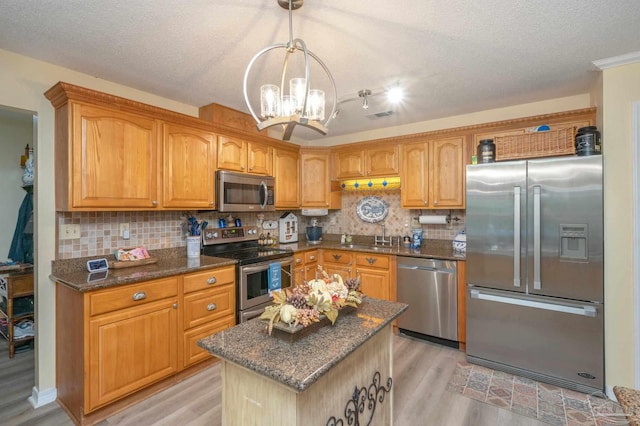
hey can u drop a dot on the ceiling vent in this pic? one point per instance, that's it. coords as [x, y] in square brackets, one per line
[377, 115]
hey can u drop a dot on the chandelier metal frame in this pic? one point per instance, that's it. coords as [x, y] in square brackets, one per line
[289, 122]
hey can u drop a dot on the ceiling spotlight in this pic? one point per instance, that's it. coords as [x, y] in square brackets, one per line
[364, 95]
[395, 94]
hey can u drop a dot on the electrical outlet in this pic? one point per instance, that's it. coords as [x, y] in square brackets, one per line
[69, 232]
[124, 231]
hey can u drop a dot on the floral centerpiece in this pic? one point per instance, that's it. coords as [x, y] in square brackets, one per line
[305, 304]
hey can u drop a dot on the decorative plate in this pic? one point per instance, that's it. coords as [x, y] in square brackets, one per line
[372, 209]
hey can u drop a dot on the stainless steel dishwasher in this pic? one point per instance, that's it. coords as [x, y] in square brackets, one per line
[430, 287]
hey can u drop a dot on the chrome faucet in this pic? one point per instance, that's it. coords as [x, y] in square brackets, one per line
[381, 239]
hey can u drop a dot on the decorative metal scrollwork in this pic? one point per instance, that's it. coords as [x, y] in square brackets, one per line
[361, 398]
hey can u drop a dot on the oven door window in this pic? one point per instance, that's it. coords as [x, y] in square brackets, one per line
[256, 284]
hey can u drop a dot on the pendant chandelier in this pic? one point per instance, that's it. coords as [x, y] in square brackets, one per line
[302, 105]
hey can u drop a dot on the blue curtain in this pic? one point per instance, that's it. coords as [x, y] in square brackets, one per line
[22, 244]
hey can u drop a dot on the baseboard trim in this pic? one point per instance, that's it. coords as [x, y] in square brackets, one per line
[39, 398]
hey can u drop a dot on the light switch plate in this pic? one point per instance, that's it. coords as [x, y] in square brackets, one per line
[69, 232]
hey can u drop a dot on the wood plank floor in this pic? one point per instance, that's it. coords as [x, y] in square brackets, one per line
[421, 372]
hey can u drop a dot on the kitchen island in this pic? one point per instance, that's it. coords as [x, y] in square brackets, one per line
[272, 381]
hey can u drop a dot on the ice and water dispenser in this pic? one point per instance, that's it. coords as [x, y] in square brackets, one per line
[574, 242]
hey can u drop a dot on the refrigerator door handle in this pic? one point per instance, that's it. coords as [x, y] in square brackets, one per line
[587, 311]
[536, 238]
[516, 236]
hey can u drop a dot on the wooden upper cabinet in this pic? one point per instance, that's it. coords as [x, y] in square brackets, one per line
[415, 175]
[433, 174]
[259, 158]
[242, 156]
[447, 170]
[349, 164]
[114, 160]
[382, 161]
[286, 170]
[188, 167]
[232, 154]
[314, 178]
[370, 162]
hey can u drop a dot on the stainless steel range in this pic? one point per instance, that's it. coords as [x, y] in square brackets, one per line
[254, 263]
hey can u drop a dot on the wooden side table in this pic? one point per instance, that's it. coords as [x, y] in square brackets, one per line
[12, 286]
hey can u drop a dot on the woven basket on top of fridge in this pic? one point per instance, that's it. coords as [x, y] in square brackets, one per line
[536, 144]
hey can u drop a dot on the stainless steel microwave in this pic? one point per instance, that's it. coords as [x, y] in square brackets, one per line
[239, 192]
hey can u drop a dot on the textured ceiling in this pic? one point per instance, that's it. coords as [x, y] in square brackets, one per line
[452, 57]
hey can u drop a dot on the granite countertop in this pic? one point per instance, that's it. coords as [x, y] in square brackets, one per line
[431, 249]
[73, 272]
[300, 364]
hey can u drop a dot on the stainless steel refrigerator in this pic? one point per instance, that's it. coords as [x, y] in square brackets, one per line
[535, 296]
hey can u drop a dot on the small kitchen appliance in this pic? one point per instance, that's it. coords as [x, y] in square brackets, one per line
[314, 232]
[288, 228]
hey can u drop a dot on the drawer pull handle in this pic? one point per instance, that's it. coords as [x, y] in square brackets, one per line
[312, 258]
[298, 261]
[211, 307]
[139, 295]
[371, 260]
[337, 256]
[211, 280]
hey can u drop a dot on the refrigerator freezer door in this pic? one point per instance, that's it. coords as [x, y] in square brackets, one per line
[565, 228]
[547, 339]
[496, 232]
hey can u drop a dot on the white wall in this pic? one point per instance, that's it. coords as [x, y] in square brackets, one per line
[16, 131]
[620, 88]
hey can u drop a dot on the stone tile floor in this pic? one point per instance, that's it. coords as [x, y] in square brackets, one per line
[541, 401]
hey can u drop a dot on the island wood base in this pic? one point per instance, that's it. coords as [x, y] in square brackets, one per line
[253, 399]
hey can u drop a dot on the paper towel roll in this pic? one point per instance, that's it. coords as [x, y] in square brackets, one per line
[433, 220]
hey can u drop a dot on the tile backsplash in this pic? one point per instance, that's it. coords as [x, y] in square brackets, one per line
[99, 231]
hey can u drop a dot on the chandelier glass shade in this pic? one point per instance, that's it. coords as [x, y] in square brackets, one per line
[293, 102]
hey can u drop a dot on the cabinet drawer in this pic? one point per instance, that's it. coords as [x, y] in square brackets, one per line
[311, 257]
[20, 286]
[194, 353]
[110, 300]
[337, 257]
[298, 259]
[368, 260]
[209, 305]
[207, 279]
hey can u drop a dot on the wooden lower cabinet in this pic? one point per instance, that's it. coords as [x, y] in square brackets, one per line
[130, 349]
[462, 304]
[305, 265]
[377, 272]
[115, 343]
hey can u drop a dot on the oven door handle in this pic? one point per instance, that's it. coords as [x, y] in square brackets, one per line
[262, 266]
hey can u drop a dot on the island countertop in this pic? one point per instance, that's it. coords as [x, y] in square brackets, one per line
[299, 364]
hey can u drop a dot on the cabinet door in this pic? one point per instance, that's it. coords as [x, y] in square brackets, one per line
[286, 166]
[374, 282]
[130, 349]
[259, 159]
[115, 159]
[188, 167]
[382, 161]
[350, 164]
[194, 353]
[415, 175]
[232, 154]
[448, 173]
[315, 184]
